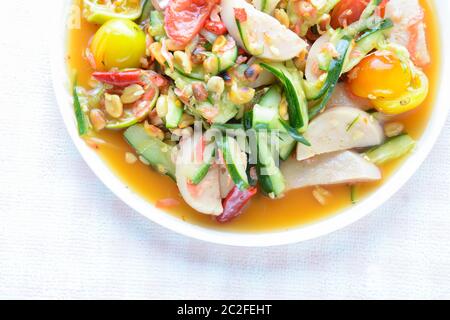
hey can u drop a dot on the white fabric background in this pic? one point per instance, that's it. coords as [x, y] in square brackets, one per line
[64, 235]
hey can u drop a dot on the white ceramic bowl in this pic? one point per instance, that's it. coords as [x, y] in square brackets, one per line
[296, 234]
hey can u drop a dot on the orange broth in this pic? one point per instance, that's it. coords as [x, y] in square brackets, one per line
[298, 207]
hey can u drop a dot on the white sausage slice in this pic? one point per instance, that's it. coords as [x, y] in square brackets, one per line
[340, 128]
[329, 169]
[205, 196]
[280, 43]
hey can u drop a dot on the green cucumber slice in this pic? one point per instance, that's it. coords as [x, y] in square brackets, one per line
[272, 98]
[247, 120]
[294, 134]
[174, 111]
[287, 145]
[228, 58]
[254, 49]
[268, 6]
[393, 149]
[227, 110]
[335, 71]
[156, 152]
[236, 166]
[266, 116]
[213, 65]
[265, 113]
[368, 41]
[269, 175]
[157, 30]
[83, 124]
[197, 72]
[147, 7]
[297, 105]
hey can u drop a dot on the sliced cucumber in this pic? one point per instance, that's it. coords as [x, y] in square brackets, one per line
[234, 161]
[181, 81]
[272, 98]
[297, 105]
[174, 111]
[226, 110]
[147, 7]
[156, 152]
[393, 149]
[247, 120]
[335, 71]
[268, 6]
[157, 30]
[294, 134]
[265, 113]
[197, 72]
[217, 62]
[227, 58]
[253, 47]
[317, 84]
[83, 123]
[287, 145]
[269, 175]
[386, 24]
[367, 20]
[266, 116]
[368, 41]
[211, 65]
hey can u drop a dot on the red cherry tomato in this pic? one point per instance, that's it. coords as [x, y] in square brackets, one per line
[348, 11]
[216, 27]
[184, 18]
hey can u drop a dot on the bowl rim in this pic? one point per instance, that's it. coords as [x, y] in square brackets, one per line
[295, 234]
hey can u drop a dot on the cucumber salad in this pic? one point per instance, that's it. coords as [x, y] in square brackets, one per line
[236, 98]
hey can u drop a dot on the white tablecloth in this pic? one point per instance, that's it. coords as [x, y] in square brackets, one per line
[63, 234]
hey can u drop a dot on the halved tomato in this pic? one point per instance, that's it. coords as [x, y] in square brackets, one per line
[185, 18]
[348, 11]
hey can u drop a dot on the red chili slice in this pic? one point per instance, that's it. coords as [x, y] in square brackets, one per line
[234, 203]
[119, 79]
[185, 18]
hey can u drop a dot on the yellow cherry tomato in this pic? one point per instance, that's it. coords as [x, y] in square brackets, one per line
[380, 75]
[413, 97]
[119, 43]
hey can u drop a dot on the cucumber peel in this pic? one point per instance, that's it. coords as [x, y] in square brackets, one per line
[392, 149]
